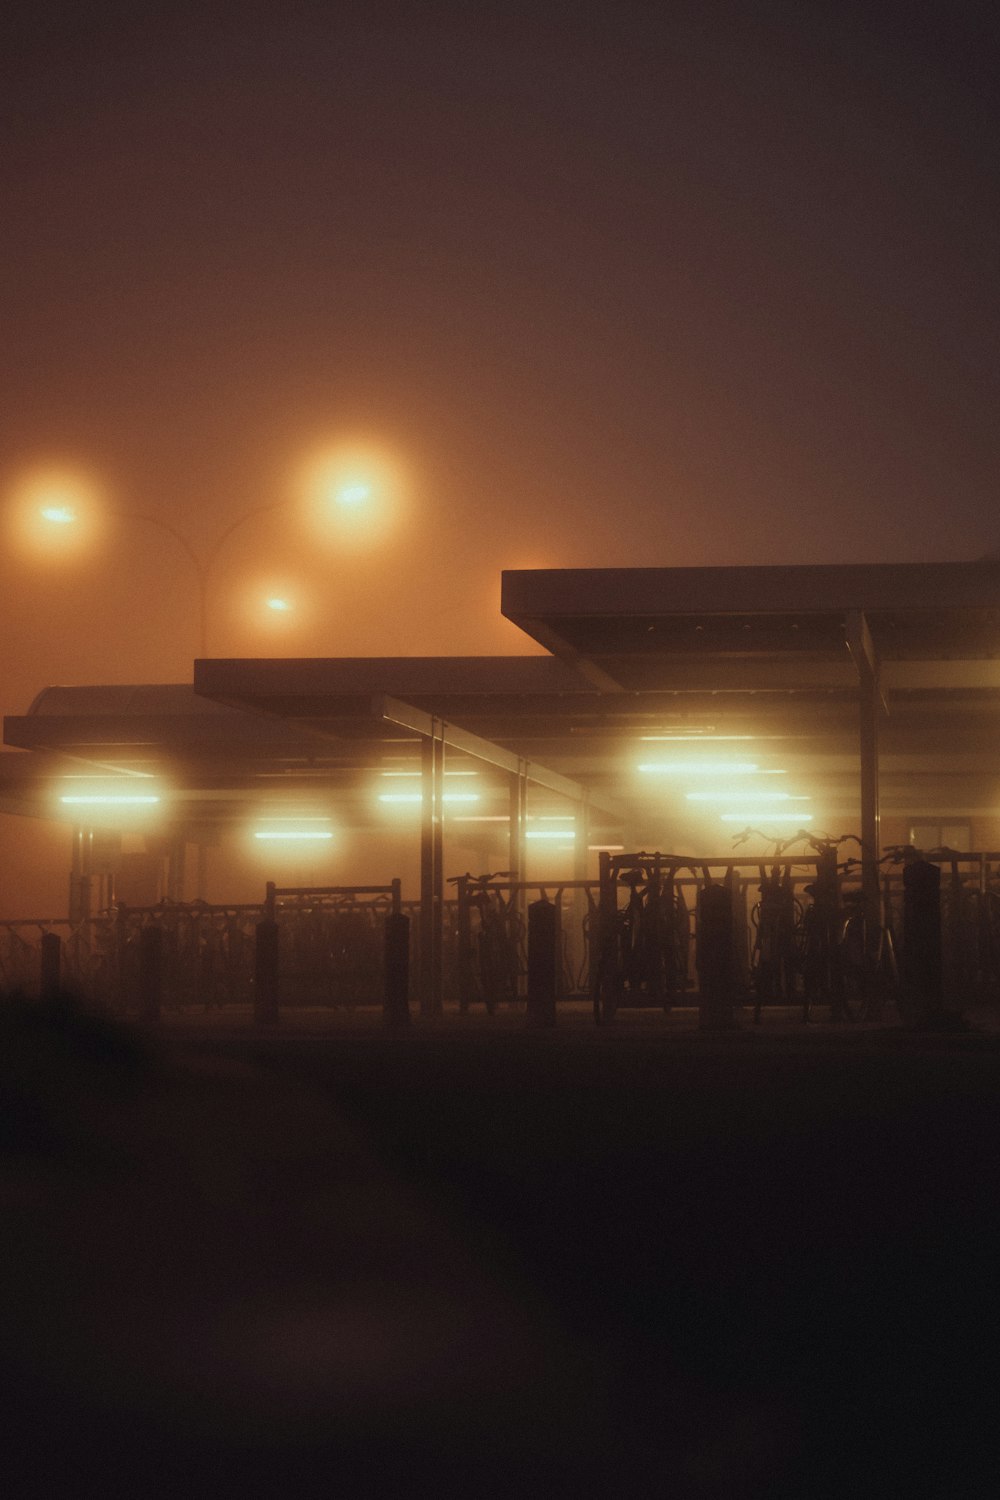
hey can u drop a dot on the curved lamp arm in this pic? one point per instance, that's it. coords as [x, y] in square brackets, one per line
[202, 566]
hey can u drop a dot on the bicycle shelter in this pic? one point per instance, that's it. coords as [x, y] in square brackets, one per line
[866, 631]
[883, 681]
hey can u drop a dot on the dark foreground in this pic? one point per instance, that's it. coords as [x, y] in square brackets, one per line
[481, 1261]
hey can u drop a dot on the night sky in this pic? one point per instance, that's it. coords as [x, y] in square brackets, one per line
[651, 284]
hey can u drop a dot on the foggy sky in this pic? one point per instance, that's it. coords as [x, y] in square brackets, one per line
[675, 284]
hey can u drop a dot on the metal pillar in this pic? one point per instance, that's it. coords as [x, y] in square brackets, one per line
[517, 861]
[517, 857]
[80, 875]
[871, 705]
[431, 870]
[176, 866]
[581, 823]
[575, 910]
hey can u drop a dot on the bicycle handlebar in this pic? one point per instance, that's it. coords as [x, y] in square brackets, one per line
[819, 842]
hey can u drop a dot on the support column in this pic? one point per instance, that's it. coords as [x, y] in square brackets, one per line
[176, 863]
[581, 824]
[517, 858]
[431, 871]
[81, 875]
[75, 908]
[871, 707]
[575, 910]
[517, 861]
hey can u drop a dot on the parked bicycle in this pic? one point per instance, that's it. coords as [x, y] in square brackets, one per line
[643, 946]
[776, 919]
[490, 955]
[868, 963]
[815, 949]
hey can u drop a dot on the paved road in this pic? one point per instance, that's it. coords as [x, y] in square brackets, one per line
[487, 1261]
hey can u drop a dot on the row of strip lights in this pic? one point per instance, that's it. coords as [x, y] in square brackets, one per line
[280, 829]
[752, 804]
[417, 797]
[299, 829]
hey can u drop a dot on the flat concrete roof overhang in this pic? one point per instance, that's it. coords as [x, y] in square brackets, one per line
[932, 625]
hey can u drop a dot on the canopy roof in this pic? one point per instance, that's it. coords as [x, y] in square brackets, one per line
[639, 656]
[780, 628]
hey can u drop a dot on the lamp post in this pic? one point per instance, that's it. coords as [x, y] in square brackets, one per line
[203, 564]
[64, 515]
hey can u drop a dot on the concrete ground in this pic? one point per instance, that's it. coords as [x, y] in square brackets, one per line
[480, 1259]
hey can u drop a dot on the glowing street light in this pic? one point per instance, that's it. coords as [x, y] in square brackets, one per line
[62, 506]
[354, 494]
[64, 516]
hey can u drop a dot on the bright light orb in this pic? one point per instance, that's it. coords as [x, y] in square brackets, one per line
[354, 494]
[54, 514]
[280, 606]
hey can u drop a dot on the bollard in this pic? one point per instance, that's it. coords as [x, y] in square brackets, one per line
[715, 959]
[922, 990]
[396, 997]
[265, 994]
[150, 974]
[51, 962]
[543, 963]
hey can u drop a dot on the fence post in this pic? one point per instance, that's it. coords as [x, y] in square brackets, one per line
[464, 964]
[604, 977]
[51, 960]
[715, 959]
[265, 1002]
[922, 972]
[150, 973]
[395, 1001]
[543, 954]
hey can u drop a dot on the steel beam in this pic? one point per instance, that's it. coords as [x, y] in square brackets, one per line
[406, 716]
[517, 841]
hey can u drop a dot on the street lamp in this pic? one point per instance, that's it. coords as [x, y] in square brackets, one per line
[63, 515]
[203, 565]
